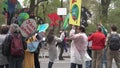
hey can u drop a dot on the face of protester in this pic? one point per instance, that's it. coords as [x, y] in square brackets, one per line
[73, 27]
[78, 30]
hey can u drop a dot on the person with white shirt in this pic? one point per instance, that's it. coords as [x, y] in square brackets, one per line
[62, 44]
[79, 48]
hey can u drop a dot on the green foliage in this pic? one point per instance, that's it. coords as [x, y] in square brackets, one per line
[48, 8]
[114, 17]
[91, 28]
[1, 15]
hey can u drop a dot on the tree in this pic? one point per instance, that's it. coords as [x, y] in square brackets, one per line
[104, 9]
[1, 15]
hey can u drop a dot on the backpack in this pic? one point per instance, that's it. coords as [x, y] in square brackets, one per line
[114, 42]
[16, 48]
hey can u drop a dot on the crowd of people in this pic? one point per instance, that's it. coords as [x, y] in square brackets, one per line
[93, 50]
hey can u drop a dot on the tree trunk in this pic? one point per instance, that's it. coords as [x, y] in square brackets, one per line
[32, 4]
[105, 6]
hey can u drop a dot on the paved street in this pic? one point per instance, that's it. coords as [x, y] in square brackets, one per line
[59, 64]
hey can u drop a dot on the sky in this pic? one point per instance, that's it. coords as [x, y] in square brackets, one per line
[21, 2]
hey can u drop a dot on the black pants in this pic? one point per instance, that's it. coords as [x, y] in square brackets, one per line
[50, 64]
[61, 46]
[73, 65]
[36, 60]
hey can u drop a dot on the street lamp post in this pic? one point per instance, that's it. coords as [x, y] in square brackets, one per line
[61, 15]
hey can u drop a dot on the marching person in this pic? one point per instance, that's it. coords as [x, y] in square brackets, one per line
[3, 34]
[98, 44]
[62, 44]
[79, 48]
[52, 41]
[17, 47]
[113, 52]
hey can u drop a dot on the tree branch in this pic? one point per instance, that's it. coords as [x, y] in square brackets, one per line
[37, 4]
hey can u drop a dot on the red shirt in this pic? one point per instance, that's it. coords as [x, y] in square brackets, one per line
[98, 40]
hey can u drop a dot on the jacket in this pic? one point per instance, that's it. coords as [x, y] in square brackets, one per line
[98, 40]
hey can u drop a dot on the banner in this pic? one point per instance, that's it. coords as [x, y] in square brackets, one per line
[75, 12]
[28, 27]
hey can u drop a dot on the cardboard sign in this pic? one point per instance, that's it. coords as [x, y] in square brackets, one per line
[75, 12]
[28, 27]
[61, 11]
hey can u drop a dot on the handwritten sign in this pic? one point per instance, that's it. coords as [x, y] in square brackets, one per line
[28, 27]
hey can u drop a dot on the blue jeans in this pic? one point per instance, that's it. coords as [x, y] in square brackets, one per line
[16, 62]
[104, 59]
[73, 65]
[88, 64]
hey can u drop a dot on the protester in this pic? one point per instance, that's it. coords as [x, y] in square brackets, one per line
[15, 19]
[28, 61]
[3, 34]
[89, 63]
[39, 37]
[32, 16]
[17, 47]
[104, 58]
[79, 43]
[62, 45]
[52, 41]
[113, 53]
[98, 44]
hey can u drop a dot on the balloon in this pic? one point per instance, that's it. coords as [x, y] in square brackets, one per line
[42, 27]
[65, 25]
[22, 17]
[32, 46]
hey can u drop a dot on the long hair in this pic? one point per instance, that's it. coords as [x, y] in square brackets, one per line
[50, 36]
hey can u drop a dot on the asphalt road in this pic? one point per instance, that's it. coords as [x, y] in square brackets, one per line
[61, 64]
